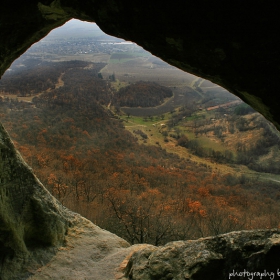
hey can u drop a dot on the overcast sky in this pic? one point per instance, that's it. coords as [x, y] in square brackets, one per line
[75, 28]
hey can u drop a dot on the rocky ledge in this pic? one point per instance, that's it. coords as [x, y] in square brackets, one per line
[237, 255]
[91, 253]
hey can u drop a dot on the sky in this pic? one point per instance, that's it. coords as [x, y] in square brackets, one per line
[76, 28]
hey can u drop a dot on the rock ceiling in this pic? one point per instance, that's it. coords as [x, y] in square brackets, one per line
[235, 46]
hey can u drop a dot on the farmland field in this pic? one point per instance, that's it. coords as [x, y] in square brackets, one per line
[145, 68]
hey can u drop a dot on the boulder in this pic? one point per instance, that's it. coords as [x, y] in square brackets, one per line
[235, 255]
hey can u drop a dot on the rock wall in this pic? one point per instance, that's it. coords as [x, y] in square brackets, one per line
[235, 46]
[30, 217]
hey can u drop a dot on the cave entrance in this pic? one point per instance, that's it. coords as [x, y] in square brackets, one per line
[139, 147]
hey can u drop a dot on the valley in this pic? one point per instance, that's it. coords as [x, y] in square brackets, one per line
[191, 161]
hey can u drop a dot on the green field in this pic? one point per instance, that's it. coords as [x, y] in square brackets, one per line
[161, 135]
[127, 56]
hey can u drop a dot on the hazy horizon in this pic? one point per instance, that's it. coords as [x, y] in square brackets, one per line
[76, 28]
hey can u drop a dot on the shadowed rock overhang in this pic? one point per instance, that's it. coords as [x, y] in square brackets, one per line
[234, 45]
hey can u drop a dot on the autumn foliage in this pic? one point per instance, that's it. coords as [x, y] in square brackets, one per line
[86, 159]
[142, 94]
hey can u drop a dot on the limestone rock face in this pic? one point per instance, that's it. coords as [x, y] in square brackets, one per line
[30, 217]
[88, 253]
[212, 258]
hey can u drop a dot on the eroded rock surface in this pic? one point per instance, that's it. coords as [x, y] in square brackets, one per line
[235, 46]
[88, 253]
[211, 258]
[30, 217]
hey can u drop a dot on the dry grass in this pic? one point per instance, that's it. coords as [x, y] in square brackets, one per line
[140, 68]
[20, 98]
[156, 138]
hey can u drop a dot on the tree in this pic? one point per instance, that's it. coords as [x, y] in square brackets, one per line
[183, 141]
[143, 218]
[58, 186]
[112, 77]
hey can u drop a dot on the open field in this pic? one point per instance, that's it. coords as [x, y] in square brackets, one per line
[96, 58]
[143, 68]
[117, 58]
[19, 98]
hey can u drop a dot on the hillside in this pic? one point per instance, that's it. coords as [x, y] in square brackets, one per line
[141, 94]
[229, 134]
[34, 78]
[149, 174]
[145, 193]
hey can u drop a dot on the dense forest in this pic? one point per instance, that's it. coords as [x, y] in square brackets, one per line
[36, 76]
[142, 94]
[84, 156]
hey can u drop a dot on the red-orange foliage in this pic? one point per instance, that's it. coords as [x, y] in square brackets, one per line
[88, 161]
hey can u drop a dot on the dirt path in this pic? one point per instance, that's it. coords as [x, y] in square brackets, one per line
[60, 82]
[195, 84]
[273, 180]
[194, 81]
[201, 82]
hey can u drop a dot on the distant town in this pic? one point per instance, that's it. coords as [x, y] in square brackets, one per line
[50, 47]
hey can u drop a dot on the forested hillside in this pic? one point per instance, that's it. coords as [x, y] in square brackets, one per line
[142, 94]
[238, 136]
[36, 76]
[87, 159]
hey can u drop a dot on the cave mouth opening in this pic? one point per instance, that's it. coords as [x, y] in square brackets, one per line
[67, 179]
